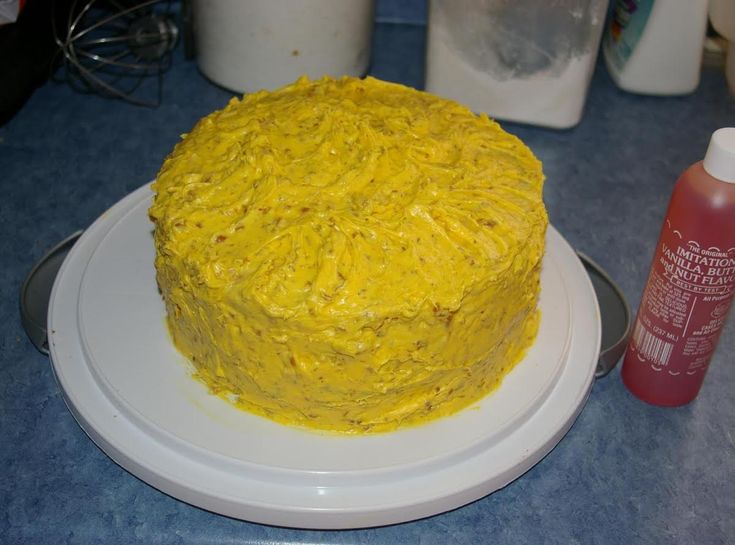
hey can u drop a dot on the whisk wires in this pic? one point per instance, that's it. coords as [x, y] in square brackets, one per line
[112, 47]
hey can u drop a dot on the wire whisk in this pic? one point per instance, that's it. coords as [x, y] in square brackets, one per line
[111, 47]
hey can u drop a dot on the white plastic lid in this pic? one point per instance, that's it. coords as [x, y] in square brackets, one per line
[719, 161]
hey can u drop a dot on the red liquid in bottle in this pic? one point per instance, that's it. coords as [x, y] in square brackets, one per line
[688, 293]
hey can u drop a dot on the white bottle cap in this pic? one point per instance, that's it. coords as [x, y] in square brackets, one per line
[719, 161]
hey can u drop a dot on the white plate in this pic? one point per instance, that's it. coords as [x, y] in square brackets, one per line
[132, 393]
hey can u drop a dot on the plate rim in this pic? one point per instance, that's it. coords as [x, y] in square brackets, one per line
[132, 230]
[312, 516]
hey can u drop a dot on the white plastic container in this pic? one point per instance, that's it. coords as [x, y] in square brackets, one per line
[527, 60]
[655, 47]
[264, 44]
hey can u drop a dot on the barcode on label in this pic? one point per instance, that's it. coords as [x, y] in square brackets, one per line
[651, 347]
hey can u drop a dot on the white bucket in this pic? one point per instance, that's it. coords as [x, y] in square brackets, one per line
[250, 45]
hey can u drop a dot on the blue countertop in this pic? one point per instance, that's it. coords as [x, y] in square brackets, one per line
[626, 473]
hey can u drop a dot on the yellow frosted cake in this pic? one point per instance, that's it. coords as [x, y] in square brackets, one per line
[350, 255]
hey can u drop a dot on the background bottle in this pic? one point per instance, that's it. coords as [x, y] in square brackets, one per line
[690, 287]
[655, 47]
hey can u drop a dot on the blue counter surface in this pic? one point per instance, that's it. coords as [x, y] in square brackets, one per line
[626, 473]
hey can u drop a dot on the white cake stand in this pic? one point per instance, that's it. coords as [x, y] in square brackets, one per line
[132, 393]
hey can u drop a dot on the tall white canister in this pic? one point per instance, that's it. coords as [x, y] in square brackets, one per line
[248, 45]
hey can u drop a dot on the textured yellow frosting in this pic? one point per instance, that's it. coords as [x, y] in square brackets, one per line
[350, 255]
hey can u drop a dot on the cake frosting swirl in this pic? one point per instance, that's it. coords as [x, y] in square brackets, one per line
[349, 255]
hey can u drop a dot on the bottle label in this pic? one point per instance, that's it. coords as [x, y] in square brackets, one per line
[685, 304]
[626, 26]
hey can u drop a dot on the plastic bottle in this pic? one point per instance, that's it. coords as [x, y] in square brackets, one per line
[691, 283]
[655, 47]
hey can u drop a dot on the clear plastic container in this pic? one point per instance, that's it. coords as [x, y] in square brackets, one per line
[528, 60]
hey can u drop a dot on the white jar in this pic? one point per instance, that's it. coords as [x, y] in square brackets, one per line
[248, 45]
[521, 60]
